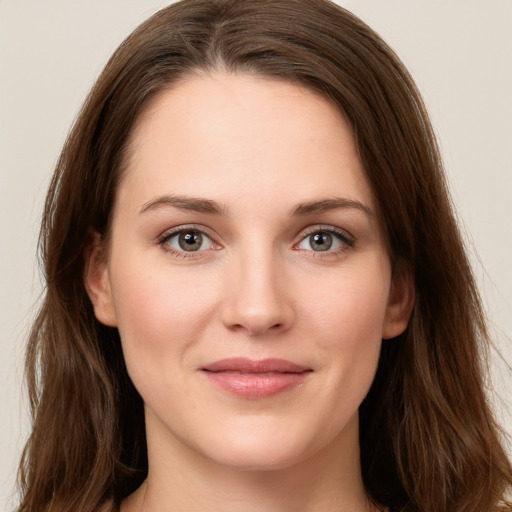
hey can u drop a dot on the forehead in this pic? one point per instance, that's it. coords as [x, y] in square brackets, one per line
[242, 138]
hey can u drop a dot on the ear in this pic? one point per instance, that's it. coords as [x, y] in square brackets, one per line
[400, 303]
[97, 282]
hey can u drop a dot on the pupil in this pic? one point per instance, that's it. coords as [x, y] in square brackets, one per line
[322, 241]
[190, 241]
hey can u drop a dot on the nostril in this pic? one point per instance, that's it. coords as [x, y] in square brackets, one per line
[257, 328]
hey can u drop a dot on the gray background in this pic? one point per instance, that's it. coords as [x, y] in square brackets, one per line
[459, 52]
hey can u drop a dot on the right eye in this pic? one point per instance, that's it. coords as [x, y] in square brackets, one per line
[187, 240]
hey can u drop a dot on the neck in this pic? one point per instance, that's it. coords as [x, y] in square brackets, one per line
[181, 479]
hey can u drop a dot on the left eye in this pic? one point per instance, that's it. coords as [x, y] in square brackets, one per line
[189, 240]
[322, 241]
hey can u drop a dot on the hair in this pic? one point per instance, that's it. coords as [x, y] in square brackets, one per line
[428, 438]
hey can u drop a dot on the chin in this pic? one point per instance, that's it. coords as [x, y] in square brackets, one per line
[268, 458]
[263, 447]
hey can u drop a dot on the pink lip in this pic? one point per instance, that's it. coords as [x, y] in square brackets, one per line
[255, 379]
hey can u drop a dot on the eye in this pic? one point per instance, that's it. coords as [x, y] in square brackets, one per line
[187, 240]
[326, 240]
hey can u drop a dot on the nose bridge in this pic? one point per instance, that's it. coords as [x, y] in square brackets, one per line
[256, 296]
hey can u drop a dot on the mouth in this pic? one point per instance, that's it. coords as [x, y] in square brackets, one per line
[255, 379]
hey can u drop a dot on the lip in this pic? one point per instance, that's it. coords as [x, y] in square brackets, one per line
[255, 379]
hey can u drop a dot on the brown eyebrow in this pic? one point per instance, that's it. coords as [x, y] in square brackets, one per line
[185, 203]
[211, 207]
[326, 205]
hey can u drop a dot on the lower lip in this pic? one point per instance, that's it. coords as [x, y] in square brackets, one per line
[256, 385]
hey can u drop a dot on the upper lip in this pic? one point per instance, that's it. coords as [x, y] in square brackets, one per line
[246, 365]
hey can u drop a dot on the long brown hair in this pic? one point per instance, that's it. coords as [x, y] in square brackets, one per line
[428, 439]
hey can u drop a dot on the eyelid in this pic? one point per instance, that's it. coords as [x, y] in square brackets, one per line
[343, 235]
[170, 233]
[328, 228]
[346, 238]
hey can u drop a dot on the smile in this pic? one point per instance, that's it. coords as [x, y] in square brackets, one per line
[253, 379]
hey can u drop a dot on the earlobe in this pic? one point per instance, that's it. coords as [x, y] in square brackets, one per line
[400, 304]
[97, 282]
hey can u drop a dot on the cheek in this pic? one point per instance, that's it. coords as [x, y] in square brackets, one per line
[354, 309]
[159, 313]
[348, 323]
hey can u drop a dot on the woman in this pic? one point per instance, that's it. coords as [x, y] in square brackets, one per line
[257, 296]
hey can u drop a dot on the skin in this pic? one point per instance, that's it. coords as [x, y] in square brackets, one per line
[260, 149]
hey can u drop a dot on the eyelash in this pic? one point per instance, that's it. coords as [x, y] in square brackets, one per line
[346, 240]
[164, 239]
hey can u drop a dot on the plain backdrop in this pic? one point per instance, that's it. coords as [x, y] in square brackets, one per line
[51, 51]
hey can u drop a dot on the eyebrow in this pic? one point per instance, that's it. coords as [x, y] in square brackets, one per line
[194, 204]
[201, 205]
[327, 205]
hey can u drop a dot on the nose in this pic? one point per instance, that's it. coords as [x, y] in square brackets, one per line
[257, 296]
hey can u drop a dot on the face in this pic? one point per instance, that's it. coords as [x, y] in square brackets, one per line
[247, 273]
